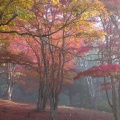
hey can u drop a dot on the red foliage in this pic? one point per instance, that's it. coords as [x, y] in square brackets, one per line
[106, 84]
[8, 57]
[99, 71]
[80, 50]
[111, 5]
[105, 88]
[84, 49]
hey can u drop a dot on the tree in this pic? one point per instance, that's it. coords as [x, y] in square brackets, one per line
[57, 30]
[108, 57]
[57, 33]
[11, 10]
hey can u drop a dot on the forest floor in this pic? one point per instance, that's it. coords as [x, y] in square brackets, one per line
[25, 111]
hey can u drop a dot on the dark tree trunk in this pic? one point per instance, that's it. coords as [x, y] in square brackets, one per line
[42, 98]
[53, 108]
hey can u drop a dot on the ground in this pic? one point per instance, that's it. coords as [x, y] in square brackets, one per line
[26, 111]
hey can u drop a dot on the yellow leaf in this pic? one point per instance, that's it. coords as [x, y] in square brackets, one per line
[55, 2]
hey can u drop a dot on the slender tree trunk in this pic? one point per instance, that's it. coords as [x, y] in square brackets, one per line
[43, 85]
[9, 96]
[42, 101]
[53, 108]
[115, 102]
[42, 98]
[53, 114]
[119, 100]
[40, 105]
[10, 81]
[107, 95]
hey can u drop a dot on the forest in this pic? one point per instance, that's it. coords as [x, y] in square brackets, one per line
[60, 55]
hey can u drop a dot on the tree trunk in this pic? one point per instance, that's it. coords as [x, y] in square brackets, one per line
[53, 114]
[53, 109]
[119, 100]
[42, 99]
[41, 104]
[10, 81]
[9, 93]
[115, 102]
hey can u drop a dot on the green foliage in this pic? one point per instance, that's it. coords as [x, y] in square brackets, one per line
[86, 106]
[104, 106]
[11, 9]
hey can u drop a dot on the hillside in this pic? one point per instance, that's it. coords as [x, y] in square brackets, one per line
[21, 111]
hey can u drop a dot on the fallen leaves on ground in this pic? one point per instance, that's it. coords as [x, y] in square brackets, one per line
[23, 111]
